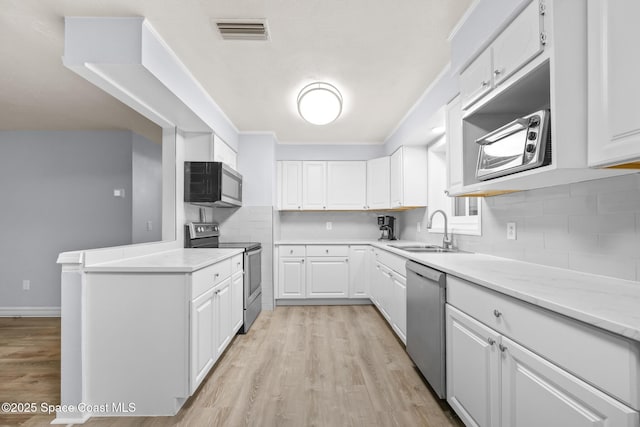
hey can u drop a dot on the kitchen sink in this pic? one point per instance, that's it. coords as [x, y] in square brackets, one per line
[426, 248]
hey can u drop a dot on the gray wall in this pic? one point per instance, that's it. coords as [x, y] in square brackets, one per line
[592, 226]
[57, 195]
[146, 190]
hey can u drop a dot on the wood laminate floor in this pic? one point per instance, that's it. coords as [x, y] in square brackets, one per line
[299, 366]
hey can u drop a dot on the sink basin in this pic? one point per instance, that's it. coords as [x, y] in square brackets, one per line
[425, 248]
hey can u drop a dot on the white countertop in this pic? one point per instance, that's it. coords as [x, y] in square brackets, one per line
[608, 303]
[174, 261]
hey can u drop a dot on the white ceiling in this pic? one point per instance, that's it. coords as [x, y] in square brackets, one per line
[381, 54]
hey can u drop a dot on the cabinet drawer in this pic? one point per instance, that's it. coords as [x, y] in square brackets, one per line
[607, 361]
[292, 250]
[206, 278]
[393, 261]
[327, 250]
[237, 263]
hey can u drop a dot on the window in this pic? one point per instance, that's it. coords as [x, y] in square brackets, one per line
[464, 213]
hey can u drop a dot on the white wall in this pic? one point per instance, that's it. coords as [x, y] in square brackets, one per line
[57, 195]
[257, 164]
[591, 226]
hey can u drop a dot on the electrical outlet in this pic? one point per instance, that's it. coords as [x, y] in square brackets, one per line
[329, 225]
[26, 285]
[418, 228]
[149, 225]
[511, 231]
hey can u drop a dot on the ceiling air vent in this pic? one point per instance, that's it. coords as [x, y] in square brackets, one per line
[243, 29]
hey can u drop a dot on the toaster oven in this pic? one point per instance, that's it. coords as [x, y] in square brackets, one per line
[522, 144]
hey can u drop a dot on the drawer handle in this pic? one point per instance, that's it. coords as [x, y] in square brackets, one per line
[299, 207]
[491, 341]
[327, 250]
[303, 261]
[216, 275]
[291, 251]
[502, 348]
[497, 313]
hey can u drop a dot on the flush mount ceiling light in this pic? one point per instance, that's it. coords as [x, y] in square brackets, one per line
[319, 103]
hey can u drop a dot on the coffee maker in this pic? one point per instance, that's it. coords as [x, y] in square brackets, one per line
[387, 225]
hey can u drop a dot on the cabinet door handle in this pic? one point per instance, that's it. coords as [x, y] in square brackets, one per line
[326, 250]
[324, 207]
[291, 251]
[299, 207]
[497, 313]
[484, 83]
[303, 261]
[502, 348]
[216, 275]
[346, 260]
[217, 292]
[491, 341]
[497, 72]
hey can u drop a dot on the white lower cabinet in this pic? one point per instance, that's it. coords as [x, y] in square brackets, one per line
[359, 271]
[292, 278]
[202, 337]
[399, 305]
[327, 277]
[222, 310]
[216, 315]
[493, 381]
[237, 300]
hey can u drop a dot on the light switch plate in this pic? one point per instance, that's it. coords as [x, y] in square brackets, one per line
[511, 231]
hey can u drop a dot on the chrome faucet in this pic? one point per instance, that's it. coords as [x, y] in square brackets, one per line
[447, 242]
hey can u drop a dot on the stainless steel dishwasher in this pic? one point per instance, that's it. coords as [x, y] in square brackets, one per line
[426, 293]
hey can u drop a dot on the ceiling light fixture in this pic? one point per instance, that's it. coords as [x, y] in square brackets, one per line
[319, 103]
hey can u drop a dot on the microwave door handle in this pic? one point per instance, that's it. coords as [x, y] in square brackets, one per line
[503, 132]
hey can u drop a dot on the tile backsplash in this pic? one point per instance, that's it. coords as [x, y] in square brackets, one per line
[592, 226]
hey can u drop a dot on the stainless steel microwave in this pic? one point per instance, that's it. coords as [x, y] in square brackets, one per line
[212, 184]
[522, 144]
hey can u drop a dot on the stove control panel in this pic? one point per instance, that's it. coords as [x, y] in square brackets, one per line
[203, 229]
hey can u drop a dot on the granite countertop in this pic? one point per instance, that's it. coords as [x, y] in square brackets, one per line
[173, 261]
[608, 303]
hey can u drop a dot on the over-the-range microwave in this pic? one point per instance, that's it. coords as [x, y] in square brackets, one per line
[212, 184]
[522, 144]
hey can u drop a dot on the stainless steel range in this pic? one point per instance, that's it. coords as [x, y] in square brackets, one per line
[207, 235]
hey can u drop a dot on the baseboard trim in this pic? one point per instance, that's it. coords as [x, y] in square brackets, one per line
[30, 311]
[324, 301]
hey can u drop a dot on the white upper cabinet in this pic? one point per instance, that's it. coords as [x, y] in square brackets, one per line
[378, 190]
[614, 82]
[314, 185]
[291, 185]
[346, 185]
[477, 79]
[408, 177]
[520, 42]
[538, 63]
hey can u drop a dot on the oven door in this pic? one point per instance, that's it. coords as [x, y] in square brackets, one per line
[523, 144]
[253, 276]
[502, 152]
